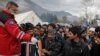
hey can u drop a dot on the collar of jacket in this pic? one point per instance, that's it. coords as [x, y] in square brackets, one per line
[8, 13]
[74, 43]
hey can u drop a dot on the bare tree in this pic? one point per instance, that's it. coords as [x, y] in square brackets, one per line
[87, 4]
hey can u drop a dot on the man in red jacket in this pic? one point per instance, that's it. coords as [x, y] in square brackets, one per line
[10, 33]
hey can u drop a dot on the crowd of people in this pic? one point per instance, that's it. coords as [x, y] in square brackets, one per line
[51, 39]
[58, 40]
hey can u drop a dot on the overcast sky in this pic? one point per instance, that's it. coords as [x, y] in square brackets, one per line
[72, 6]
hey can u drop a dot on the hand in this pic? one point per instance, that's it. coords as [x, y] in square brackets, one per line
[47, 52]
[90, 46]
[43, 54]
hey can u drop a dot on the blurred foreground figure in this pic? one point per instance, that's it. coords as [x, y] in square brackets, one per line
[10, 33]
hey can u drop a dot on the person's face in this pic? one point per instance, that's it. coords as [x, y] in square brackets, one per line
[83, 34]
[50, 27]
[31, 32]
[44, 27]
[97, 34]
[60, 30]
[12, 9]
[97, 40]
[64, 28]
[90, 33]
[71, 35]
[36, 32]
[51, 35]
[66, 31]
[42, 30]
[38, 27]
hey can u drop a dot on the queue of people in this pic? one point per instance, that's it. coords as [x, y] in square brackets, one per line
[58, 40]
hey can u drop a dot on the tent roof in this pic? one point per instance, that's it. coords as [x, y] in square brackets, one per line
[22, 16]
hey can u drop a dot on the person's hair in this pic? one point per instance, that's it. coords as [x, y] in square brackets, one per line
[23, 26]
[29, 26]
[12, 3]
[26, 26]
[53, 25]
[97, 29]
[76, 30]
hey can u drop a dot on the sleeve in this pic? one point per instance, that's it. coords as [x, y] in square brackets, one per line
[13, 28]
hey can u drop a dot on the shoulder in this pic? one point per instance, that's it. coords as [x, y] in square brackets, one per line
[2, 13]
[3, 17]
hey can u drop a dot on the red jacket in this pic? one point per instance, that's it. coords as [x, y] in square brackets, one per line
[10, 35]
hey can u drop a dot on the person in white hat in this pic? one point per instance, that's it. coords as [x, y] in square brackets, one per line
[90, 37]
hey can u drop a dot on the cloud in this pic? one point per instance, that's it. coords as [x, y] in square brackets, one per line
[72, 6]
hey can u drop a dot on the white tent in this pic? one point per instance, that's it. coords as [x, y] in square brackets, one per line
[28, 17]
[44, 23]
[98, 22]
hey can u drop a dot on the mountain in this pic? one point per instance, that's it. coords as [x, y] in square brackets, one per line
[26, 5]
